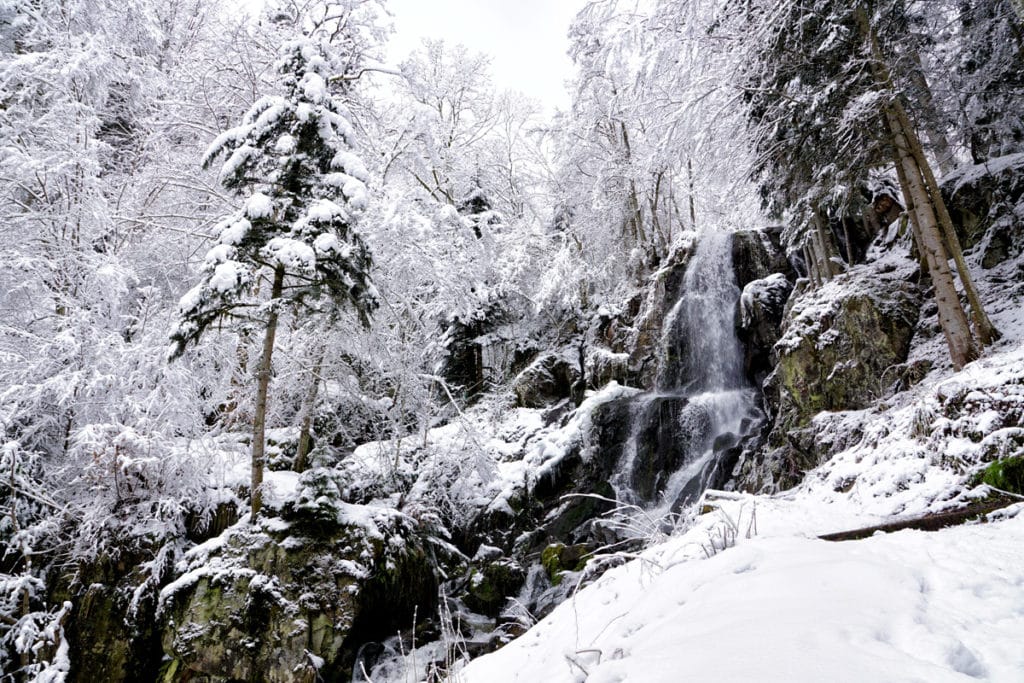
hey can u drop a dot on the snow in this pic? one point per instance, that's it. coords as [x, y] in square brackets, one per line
[233, 230]
[285, 144]
[258, 205]
[328, 244]
[324, 211]
[314, 87]
[971, 174]
[291, 253]
[351, 164]
[237, 158]
[227, 276]
[781, 606]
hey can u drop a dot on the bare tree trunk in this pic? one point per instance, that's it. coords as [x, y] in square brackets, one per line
[812, 266]
[921, 203]
[308, 405]
[693, 205]
[828, 268]
[952, 318]
[983, 327]
[259, 421]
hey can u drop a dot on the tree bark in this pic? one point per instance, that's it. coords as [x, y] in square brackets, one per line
[829, 269]
[259, 421]
[308, 404]
[921, 203]
[952, 318]
[983, 327]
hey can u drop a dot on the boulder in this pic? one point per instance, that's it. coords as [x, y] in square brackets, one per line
[547, 380]
[982, 201]
[292, 598]
[842, 346]
[762, 306]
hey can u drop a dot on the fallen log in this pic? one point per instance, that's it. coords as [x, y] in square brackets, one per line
[932, 522]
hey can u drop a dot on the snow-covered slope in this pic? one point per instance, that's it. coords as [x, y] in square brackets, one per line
[785, 606]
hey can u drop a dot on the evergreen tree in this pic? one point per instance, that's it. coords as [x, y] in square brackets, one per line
[988, 77]
[827, 95]
[292, 161]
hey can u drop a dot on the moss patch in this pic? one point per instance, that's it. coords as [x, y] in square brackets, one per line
[1006, 474]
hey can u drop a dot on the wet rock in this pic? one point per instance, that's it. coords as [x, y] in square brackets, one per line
[664, 290]
[756, 254]
[559, 558]
[761, 310]
[492, 584]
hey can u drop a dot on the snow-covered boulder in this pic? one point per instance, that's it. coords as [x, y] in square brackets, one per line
[842, 345]
[762, 305]
[281, 600]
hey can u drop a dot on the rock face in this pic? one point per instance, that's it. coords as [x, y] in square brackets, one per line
[762, 307]
[841, 346]
[756, 254]
[664, 291]
[113, 639]
[765, 276]
[981, 201]
[547, 380]
[287, 600]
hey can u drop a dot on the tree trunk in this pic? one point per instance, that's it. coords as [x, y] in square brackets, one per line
[259, 421]
[812, 265]
[828, 267]
[308, 405]
[932, 125]
[952, 318]
[983, 327]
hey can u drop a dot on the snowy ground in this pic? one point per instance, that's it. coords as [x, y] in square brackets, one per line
[782, 606]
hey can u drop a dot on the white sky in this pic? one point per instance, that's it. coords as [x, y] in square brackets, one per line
[525, 38]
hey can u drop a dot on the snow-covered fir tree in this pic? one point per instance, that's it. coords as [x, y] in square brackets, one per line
[291, 161]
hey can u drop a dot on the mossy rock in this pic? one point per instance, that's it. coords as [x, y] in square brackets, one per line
[559, 558]
[491, 585]
[291, 601]
[1006, 475]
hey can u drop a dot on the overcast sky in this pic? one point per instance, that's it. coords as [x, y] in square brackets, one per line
[526, 38]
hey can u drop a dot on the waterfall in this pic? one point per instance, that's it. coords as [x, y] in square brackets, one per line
[700, 350]
[683, 433]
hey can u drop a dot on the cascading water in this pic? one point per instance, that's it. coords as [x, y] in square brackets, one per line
[703, 405]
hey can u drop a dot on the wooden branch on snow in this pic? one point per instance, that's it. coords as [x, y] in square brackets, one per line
[932, 522]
